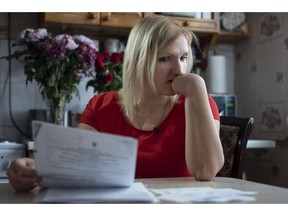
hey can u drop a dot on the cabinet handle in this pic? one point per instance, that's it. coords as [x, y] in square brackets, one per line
[92, 15]
[107, 17]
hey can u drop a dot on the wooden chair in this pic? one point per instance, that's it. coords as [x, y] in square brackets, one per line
[234, 134]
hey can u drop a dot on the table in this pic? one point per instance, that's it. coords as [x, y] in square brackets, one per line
[266, 193]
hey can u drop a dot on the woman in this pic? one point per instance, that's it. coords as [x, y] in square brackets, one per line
[161, 104]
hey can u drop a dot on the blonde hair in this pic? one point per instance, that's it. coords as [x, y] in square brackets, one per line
[151, 35]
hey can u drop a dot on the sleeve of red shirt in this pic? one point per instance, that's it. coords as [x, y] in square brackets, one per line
[214, 108]
[88, 116]
[97, 105]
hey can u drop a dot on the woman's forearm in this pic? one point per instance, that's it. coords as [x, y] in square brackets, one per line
[203, 148]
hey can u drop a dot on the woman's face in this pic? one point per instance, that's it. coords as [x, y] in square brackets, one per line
[170, 63]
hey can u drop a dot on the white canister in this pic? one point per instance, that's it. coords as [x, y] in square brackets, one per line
[216, 77]
[114, 45]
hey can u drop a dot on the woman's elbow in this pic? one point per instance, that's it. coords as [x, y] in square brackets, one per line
[204, 176]
[207, 173]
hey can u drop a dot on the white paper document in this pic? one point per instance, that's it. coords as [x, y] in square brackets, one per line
[80, 166]
[71, 157]
[204, 195]
[137, 193]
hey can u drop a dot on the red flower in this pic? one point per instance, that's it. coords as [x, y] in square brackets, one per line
[108, 77]
[116, 57]
[106, 56]
[99, 63]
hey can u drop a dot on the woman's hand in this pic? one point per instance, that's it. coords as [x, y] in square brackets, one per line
[22, 174]
[187, 84]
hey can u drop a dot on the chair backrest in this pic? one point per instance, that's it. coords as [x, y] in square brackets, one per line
[234, 135]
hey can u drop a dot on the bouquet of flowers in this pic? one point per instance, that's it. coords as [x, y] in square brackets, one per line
[57, 64]
[108, 76]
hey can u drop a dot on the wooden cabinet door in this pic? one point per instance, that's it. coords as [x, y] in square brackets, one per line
[198, 25]
[73, 18]
[126, 20]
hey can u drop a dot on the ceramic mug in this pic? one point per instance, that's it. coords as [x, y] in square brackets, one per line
[114, 45]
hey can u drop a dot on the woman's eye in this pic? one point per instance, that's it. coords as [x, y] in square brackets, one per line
[183, 58]
[163, 59]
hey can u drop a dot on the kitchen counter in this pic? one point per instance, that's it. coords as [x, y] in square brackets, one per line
[261, 144]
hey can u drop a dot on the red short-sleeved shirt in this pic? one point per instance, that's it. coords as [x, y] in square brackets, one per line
[159, 154]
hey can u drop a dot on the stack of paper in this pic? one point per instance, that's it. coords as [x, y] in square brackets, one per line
[84, 166]
[204, 195]
[137, 193]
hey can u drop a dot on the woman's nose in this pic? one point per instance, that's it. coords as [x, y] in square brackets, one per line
[178, 68]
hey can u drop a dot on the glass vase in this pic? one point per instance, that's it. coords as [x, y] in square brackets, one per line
[56, 110]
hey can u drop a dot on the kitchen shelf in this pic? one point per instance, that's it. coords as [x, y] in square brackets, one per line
[93, 32]
[231, 37]
[103, 25]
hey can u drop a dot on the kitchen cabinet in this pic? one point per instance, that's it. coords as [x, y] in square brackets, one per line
[96, 25]
[126, 20]
[110, 19]
[200, 26]
[203, 28]
[209, 29]
[72, 18]
[103, 25]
